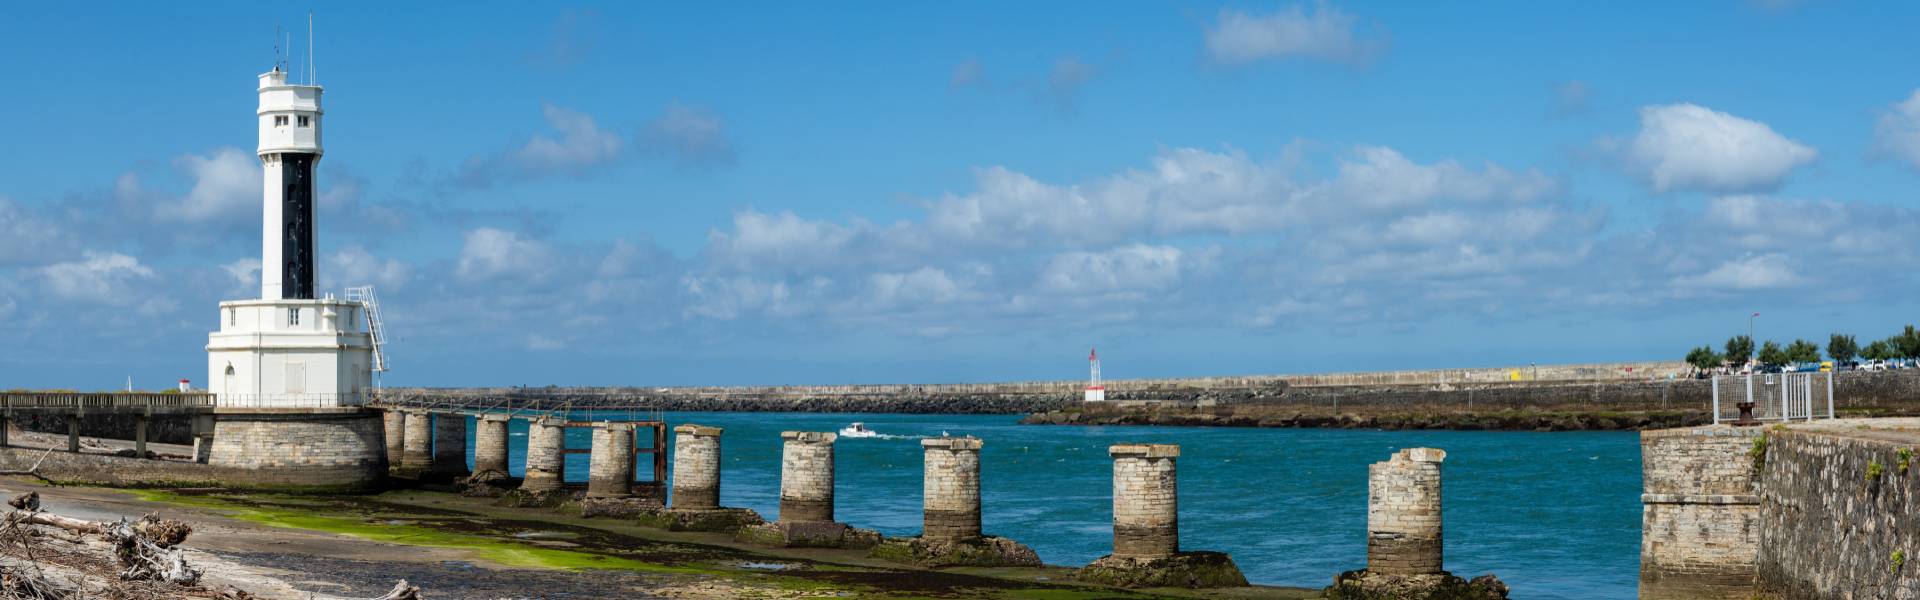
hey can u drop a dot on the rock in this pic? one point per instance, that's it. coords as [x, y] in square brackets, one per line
[618, 508]
[983, 552]
[1183, 570]
[488, 484]
[808, 534]
[1366, 585]
[722, 520]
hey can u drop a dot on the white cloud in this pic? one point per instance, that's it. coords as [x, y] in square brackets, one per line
[580, 147]
[26, 238]
[100, 277]
[245, 272]
[489, 253]
[1325, 33]
[226, 187]
[691, 135]
[1897, 133]
[1137, 267]
[354, 266]
[1684, 147]
[1746, 273]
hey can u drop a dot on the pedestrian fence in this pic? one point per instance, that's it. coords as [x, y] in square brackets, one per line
[1775, 396]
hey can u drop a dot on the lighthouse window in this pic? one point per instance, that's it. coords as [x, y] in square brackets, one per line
[304, 122]
[293, 316]
[279, 120]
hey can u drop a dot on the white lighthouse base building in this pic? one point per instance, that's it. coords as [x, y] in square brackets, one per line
[290, 353]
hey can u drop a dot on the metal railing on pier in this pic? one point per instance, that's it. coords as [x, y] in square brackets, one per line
[104, 401]
[291, 400]
[1775, 396]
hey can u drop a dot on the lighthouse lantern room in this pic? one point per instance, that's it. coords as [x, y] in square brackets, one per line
[288, 348]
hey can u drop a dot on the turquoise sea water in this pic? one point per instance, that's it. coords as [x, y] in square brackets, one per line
[1555, 515]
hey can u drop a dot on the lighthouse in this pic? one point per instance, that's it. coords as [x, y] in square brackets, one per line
[293, 347]
[1096, 392]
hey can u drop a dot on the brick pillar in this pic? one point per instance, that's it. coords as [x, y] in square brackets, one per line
[415, 454]
[450, 444]
[696, 467]
[1146, 515]
[396, 432]
[610, 474]
[950, 489]
[1403, 513]
[546, 443]
[806, 476]
[490, 444]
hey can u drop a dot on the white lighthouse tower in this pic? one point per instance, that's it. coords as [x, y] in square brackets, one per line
[289, 348]
[1096, 392]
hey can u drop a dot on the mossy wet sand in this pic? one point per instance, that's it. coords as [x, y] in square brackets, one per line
[518, 551]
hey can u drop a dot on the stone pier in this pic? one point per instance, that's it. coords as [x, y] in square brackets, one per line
[449, 446]
[1701, 512]
[396, 435]
[1404, 558]
[490, 444]
[610, 471]
[1403, 513]
[546, 455]
[950, 496]
[416, 454]
[806, 498]
[806, 476]
[696, 487]
[1146, 528]
[696, 467]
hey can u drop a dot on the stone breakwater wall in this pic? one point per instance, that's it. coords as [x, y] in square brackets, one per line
[1535, 406]
[1829, 526]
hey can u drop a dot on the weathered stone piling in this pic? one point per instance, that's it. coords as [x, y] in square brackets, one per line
[546, 445]
[1404, 557]
[950, 535]
[396, 435]
[450, 445]
[806, 499]
[806, 476]
[1146, 528]
[416, 454]
[1146, 506]
[1403, 513]
[1701, 512]
[610, 471]
[490, 444]
[696, 467]
[950, 488]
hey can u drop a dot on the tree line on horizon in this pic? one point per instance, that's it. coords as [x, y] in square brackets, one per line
[1842, 348]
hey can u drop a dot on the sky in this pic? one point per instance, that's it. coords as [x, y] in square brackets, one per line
[652, 194]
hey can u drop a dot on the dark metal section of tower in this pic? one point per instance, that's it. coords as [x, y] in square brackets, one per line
[296, 225]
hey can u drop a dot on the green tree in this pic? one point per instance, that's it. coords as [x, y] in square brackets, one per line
[1703, 358]
[1771, 354]
[1802, 351]
[1907, 343]
[1739, 350]
[1842, 348]
[1879, 350]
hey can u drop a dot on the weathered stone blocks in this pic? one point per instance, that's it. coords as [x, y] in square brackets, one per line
[305, 449]
[696, 467]
[950, 489]
[546, 445]
[610, 472]
[1146, 528]
[1403, 513]
[450, 445]
[806, 476]
[490, 444]
[1699, 522]
[395, 424]
[416, 455]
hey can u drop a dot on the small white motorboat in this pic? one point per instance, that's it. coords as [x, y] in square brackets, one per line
[858, 430]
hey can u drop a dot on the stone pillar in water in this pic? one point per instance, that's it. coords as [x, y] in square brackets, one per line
[450, 444]
[1145, 501]
[1403, 513]
[396, 432]
[806, 476]
[546, 457]
[610, 472]
[415, 455]
[490, 444]
[950, 488]
[696, 467]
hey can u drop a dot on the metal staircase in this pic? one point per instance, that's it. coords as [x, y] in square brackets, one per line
[364, 295]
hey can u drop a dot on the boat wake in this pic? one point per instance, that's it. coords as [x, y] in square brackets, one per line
[860, 430]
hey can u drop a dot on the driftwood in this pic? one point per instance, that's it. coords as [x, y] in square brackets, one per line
[144, 547]
[403, 591]
[34, 472]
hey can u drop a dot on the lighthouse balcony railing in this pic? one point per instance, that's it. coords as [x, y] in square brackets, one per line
[291, 400]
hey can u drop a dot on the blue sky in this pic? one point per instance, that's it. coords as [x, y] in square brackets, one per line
[888, 192]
